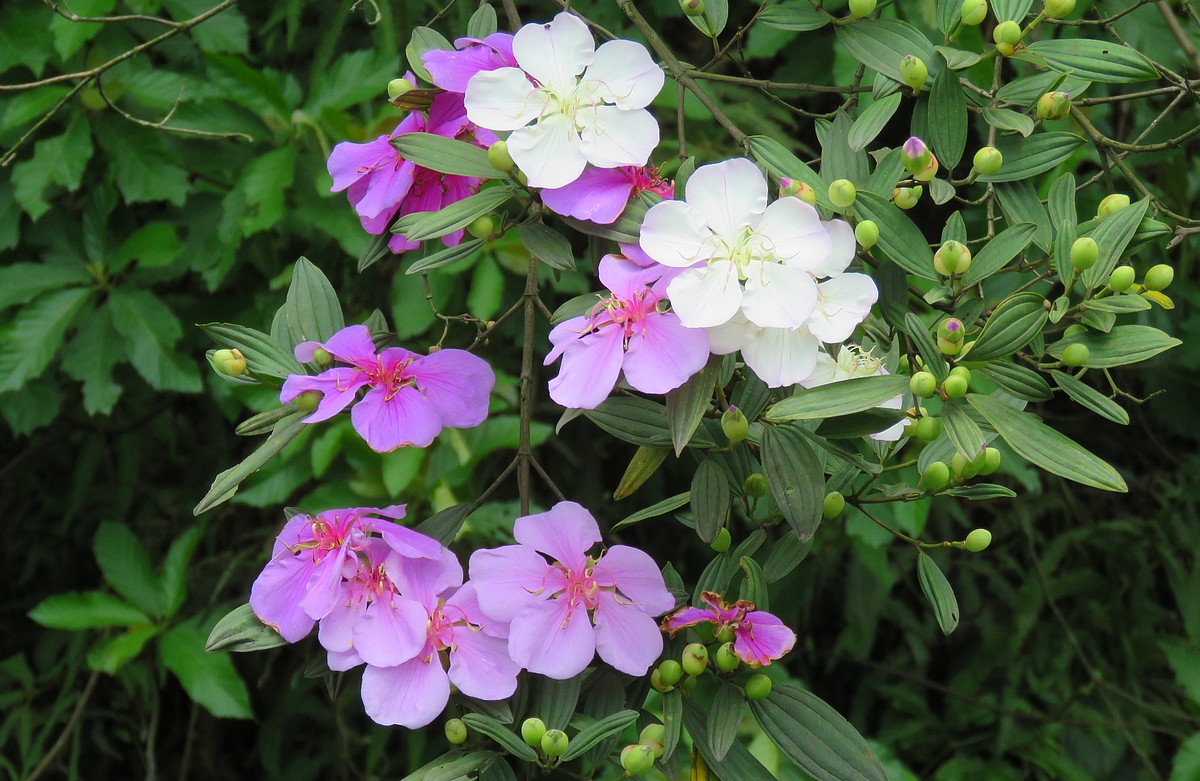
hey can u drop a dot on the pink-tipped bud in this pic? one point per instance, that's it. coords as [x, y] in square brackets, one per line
[1053, 105]
[915, 155]
[951, 329]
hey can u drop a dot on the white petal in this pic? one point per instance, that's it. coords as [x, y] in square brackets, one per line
[823, 374]
[894, 432]
[674, 234]
[843, 245]
[791, 230]
[778, 296]
[729, 337]
[613, 137]
[781, 356]
[624, 73]
[704, 297]
[548, 152]
[730, 195]
[555, 53]
[503, 99]
[845, 301]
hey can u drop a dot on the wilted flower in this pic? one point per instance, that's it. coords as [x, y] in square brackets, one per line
[758, 637]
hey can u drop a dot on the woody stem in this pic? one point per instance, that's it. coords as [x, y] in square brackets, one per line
[524, 447]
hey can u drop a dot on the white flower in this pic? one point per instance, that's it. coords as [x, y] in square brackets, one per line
[853, 362]
[842, 303]
[560, 121]
[778, 356]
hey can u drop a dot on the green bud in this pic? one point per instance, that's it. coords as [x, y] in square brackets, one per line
[692, 7]
[756, 485]
[695, 658]
[862, 8]
[1057, 9]
[230, 363]
[955, 387]
[724, 635]
[951, 329]
[842, 193]
[757, 687]
[973, 12]
[1121, 278]
[532, 731]
[799, 189]
[867, 234]
[991, 461]
[947, 347]
[735, 425]
[1008, 32]
[915, 155]
[482, 227]
[653, 733]
[923, 385]
[1053, 105]
[398, 87]
[1159, 277]
[498, 156]
[722, 541]
[669, 672]
[936, 477]
[988, 160]
[1084, 253]
[456, 732]
[903, 366]
[926, 429]
[637, 759]
[322, 358]
[961, 371]
[555, 743]
[978, 540]
[657, 683]
[308, 401]
[1075, 330]
[833, 506]
[907, 197]
[727, 660]
[1112, 204]
[963, 467]
[952, 258]
[929, 171]
[913, 73]
[1076, 354]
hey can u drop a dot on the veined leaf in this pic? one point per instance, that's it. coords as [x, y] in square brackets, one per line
[710, 500]
[420, 226]
[1013, 324]
[1102, 61]
[1026, 157]
[939, 593]
[1091, 398]
[86, 610]
[598, 731]
[872, 120]
[226, 484]
[782, 162]
[999, 252]
[653, 511]
[498, 732]
[240, 630]
[1123, 345]
[313, 310]
[796, 478]
[838, 398]
[882, 43]
[899, 237]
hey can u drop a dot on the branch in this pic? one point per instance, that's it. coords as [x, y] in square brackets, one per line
[162, 123]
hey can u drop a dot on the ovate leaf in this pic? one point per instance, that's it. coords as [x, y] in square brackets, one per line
[209, 679]
[36, 335]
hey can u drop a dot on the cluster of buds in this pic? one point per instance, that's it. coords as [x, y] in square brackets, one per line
[919, 161]
[638, 758]
[939, 475]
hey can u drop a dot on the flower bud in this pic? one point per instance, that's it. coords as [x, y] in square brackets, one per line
[637, 759]
[532, 731]
[456, 732]
[907, 197]
[923, 385]
[692, 7]
[308, 401]
[1007, 35]
[1084, 253]
[722, 541]
[952, 258]
[1112, 204]
[735, 425]
[936, 477]
[757, 687]
[926, 429]
[727, 660]
[498, 156]
[656, 682]
[861, 8]
[947, 347]
[1121, 278]
[724, 635]
[842, 193]
[695, 658]
[1159, 277]
[555, 743]
[669, 672]
[482, 227]
[230, 363]
[1053, 105]
[929, 171]
[833, 506]
[963, 467]
[322, 358]
[915, 155]
[1076, 354]
[799, 189]
[397, 88]
[973, 12]
[653, 733]
[955, 386]
[991, 461]
[913, 73]
[951, 329]
[1057, 9]
[961, 371]
[756, 485]
[978, 540]
[867, 234]
[988, 160]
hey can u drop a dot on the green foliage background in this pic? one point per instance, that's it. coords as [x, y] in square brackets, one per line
[1078, 656]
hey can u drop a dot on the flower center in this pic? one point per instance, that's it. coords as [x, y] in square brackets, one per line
[393, 378]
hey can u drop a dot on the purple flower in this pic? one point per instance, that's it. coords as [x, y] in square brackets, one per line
[410, 398]
[625, 332]
[302, 582]
[381, 185]
[601, 194]
[452, 69]
[758, 637]
[547, 604]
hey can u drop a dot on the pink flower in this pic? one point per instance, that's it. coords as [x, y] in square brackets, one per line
[758, 637]
[546, 604]
[601, 194]
[625, 332]
[381, 185]
[302, 582]
[452, 69]
[410, 398]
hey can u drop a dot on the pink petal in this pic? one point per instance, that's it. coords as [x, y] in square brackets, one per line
[761, 638]
[447, 115]
[452, 70]
[407, 542]
[276, 594]
[410, 695]
[336, 632]
[550, 639]
[392, 630]
[590, 368]
[352, 344]
[423, 580]
[457, 384]
[665, 354]
[340, 661]
[565, 532]
[507, 579]
[338, 387]
[480, 665]
[564, 335]
[466, 600]
[403, 418]
[637, 577]
[627, 278]
[388, 186]
[324, 584]
[350, 162]
[598, 195]
[688, 616]
[626, 638]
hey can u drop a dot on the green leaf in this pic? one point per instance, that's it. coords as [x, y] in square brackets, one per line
[453, 766]
[492, 728]
[446, 256]
[982, 492]
[431, 225]
[939, 593]
[687, 404]
[1186, 764]
[882, 43]
[423, 39]
[209, 679]
[872, 121]
[173, 584]
[1011, 10]
[597, 731]
[226, 484]
[963, 432]
[1007, 119]
[263, 422]
[446, 155]
[263, 355]
[482, 23]
[86, 610]
[1102, 61]
[153, 246]
[126, 567]
[240, 631]
[444, 525]
[90, 357]
[754, 586]
[1020, 203]
[645, 462]
[1013, 324]
[899, 237]
[838, 159]
[36, 334]
[838, 398]
[1017, 380]
[1025, 90]
[313, 311]
[925, 345]
[999, 252]
[225, 32]
[257, 201]
[710, 500]
[1026, 157]
[1061, 205]
[1112, 234]
[640, 422]
[796, 478]
[737, 764]
[1123, 345]
[672, 705]
[786, 554]
[795, 16]
[21, 283]
[548, 246]
[653, 511]
[947, 118]
[60, 160]
[1091, 398]
[1045, 447]
[110, 654]
[1120, 304]
[815, 736]
[554, 700]
[151, 331]
[713, 21]
[724, 717]
[779, 161]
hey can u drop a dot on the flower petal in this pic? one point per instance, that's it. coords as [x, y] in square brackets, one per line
[457, 384]
[590, 367]
[842, 247]
[503, 99]
[675, 234]
[731, 336]
[780, 356]
[664, 354]
[637, 577]
[452, 70]
[410, 695]
[550, 639]
[598, 195]
[687, 616]
[555, 53]
[392, 630]
[423, 580]
[276, 594]
[611, 137]
[480, 666]
[549, 153]
[349, 162]
[626, 638]
[825, 372]
[507, 579]
[792, 231]
[844, 302]
[708, 296]
[729, 195]
[565, 532]
[387, 422]
[762, 638]
[778, 296]
[407, 542]
[336, 632]
[624, 73]
[340, 661]
[338, 388]
[352, 345]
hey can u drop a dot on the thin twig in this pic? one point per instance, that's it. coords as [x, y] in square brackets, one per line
[60, 744]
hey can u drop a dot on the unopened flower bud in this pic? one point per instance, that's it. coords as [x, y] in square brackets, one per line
[1053, 105]
[952, 258]
[555, 743]
[923, 385]
[321, 357]
[963, 467]
[309, 400]
[1076, 354]
[862, 8]
[756, 485]
[722, 541]
[653, 733]
[955, 386]
[396, 88]
[692, 7]
[735, 425]
[1057, 9]
[907, 197]
[498, 156]
[951, 329]
[481, 227]
[637, 759]
[929, 171]
[913, 73]
[867, 234]
[915, 155]
[973, 12]
[1159, 277]
[1007, 35]
[724, 635]
[456, 732]
[948, 347]
[833, 505]
[936, 477]
[842, 193]
[988, 160]
[670, 671]
[230, 363]
[656, 682]
[991, 461]
[1121, 278]
[727, 660]
[978, 540]
[926, 429]
[799, 189]
[961, 371]
[757, 687]
[695, 658]
[532, 731]
[1084, 253]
